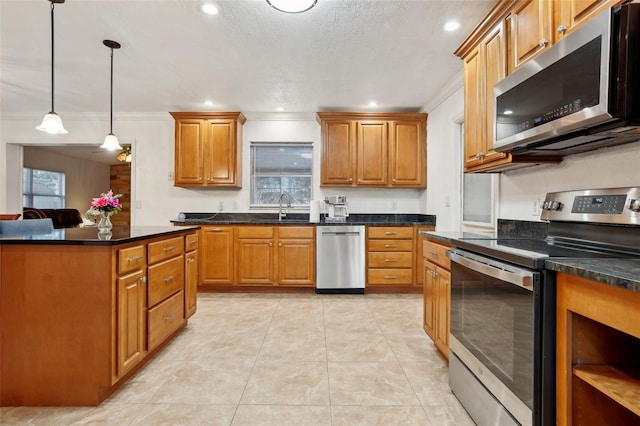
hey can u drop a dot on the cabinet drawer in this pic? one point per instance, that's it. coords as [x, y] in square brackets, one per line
[436, 253]
[390, 245]
[165, 318]
[165, 279]
[389, 276]
[130, 259]
[255, 232]
[165, 249]
[390, 232]
[295, 232]
[390, 259]
[191, 242]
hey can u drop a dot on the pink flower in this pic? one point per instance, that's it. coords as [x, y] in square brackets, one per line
[107, 202]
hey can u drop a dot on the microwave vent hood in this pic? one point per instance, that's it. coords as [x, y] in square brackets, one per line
[581, 94]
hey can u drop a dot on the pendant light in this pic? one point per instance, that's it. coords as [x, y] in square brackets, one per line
[111, 141]
[292, 6]
[52, 123]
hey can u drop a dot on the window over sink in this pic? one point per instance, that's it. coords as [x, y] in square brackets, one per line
[278, 168]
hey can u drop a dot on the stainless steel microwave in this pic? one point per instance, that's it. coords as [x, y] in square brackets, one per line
[583, 93]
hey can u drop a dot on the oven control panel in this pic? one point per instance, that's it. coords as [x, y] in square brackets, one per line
[609, 205]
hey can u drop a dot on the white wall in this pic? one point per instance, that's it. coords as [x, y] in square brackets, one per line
[155, 200]
[84, 179]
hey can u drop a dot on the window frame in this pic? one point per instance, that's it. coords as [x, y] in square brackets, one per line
[28, 196]
[252, 185]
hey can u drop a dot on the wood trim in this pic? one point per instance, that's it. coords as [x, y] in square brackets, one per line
[235, 115]
[500, 11]
[387, 116]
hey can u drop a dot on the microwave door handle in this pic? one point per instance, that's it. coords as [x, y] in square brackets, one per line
[520, 277]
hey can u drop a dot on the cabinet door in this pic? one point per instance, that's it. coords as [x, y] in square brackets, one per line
[530, 31]
[570, 14]
[189, 152]
[296, 262]
[473, 108]
[220, 153]
[254, 259]
[191, 283]
[494, 69]
[429, 291]
[131, 317]
[217, 253]
[407, 153]
[442, 313]
[372, 146]
[338, 153]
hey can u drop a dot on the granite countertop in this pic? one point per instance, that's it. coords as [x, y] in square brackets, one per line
[624, 273]
[399, 219]
[449, 237]
[89, 235]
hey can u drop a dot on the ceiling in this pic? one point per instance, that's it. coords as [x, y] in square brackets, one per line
[340, 55]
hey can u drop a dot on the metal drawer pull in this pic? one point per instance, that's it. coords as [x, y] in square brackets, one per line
[169, 317]
[390, 245]
[169, 279]
[169, 248]
[390, 277]
[390, 233]
[134, 259]
[391, 260]
[190, 259]
[433, 253]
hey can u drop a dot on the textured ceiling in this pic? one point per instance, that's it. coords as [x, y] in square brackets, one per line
[338, 56]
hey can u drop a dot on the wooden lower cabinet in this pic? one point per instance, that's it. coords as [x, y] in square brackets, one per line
[105, 310]
[296, 256]
[131, 333]
[597, 347]
[217, 255]
[191, 268]
[254, 255]
[437, 294]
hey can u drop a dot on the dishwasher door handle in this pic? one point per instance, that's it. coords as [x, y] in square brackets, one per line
[341, 233]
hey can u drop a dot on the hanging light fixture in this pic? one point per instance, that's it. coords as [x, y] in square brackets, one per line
[292, 6]
[111, 141]
[52, 123]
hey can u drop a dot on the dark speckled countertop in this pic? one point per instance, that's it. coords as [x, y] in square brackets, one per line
[400, 219]
[624, 273]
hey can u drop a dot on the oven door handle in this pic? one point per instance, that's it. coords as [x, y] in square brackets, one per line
[502, 271]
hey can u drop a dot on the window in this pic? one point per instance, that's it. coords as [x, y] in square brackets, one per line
[281, 168]
[42, 189]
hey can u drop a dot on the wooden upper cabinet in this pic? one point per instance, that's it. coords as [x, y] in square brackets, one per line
[483, 68]
[407, 153]
[530, 31]
[372, 145]
[570, 14]
[338, 152]
[373, 149]
[208, 149]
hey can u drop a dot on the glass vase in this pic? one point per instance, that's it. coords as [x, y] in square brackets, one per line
[105, 224]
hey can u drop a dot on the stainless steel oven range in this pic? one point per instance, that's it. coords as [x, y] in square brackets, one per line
[502, 341]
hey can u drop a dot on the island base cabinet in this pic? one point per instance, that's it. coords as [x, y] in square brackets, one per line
[165, 318]
[132, 321]
[598, 342]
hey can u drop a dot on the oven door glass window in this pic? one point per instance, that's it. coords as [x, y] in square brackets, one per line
[495, 321]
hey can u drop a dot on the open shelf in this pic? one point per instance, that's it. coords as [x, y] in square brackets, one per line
[618, 383]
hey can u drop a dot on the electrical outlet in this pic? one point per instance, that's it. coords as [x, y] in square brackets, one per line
[220, 206]
[535, 210]
[394, 206]
[171, 176]
[447, 201]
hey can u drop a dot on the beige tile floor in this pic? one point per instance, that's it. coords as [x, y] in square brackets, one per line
[283, 359]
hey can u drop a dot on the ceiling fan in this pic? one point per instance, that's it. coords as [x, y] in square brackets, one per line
[125, 155]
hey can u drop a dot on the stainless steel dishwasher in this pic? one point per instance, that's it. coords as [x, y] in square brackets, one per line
[340, 259]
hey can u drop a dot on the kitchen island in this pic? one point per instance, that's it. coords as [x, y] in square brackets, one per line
[80, 312]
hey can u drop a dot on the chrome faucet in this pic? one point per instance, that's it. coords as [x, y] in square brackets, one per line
[283, 213]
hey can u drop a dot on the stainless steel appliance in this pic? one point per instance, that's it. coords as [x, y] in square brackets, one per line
[502, 341]
[340, 259]
[337, 208]
[581, 94]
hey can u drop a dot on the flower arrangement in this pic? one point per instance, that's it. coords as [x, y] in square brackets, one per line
[106, 204]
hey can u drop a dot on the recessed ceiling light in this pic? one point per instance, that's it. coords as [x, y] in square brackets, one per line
[508, 112]
[451, 26]
[208, 103]
[209, 9]
[373, 103]
[279, 109]
[292, 6]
